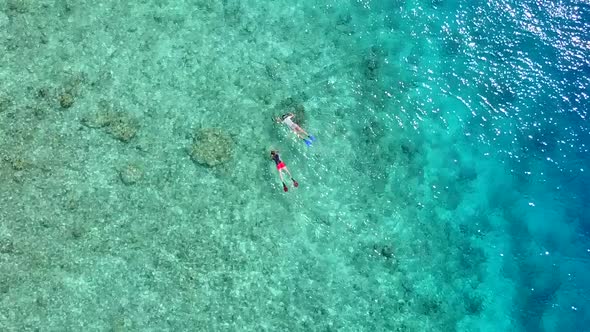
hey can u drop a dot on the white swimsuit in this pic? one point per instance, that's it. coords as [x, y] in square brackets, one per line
[290, 123]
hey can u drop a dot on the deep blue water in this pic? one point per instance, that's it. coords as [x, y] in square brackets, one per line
[521, 69]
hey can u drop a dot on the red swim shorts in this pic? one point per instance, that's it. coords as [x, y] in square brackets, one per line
[281, 165]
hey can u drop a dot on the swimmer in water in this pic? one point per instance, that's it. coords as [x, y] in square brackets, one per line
[287, 120]
[274, 155]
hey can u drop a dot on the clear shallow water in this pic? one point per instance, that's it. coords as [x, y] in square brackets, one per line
[446, 190]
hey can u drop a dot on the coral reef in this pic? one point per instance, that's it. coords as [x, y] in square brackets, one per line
[18, 6]
[385, 251]
[118, 124]
[372, 63]
[122, 128]
[16, 161]
[5, 103]
[272, 70]
[130, 174]
[211, 147]
[474, 303]
[6, 245]
[293, 105]
[66, 100]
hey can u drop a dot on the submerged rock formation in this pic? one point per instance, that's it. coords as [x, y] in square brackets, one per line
[211, 147]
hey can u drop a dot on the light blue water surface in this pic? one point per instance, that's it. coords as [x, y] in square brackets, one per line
[447, 188]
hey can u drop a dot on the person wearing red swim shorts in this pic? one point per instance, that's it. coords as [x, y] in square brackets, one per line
[274, 155]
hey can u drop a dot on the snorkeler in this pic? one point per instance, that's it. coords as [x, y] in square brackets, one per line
[287, 119]
[274, 155]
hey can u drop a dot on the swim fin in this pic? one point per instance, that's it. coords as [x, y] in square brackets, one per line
[285, 189]
[308, 143]
[295, 183]
[312, 138]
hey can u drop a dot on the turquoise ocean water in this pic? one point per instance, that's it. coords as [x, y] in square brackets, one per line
[446, 190]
